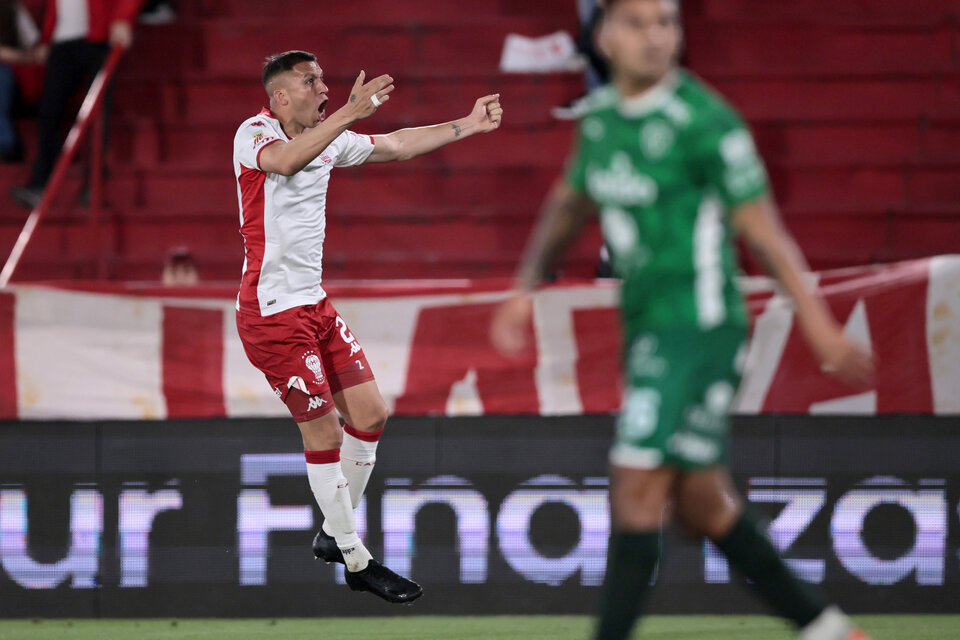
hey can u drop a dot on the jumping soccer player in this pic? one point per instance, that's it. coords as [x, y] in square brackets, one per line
[282, 158]
[674, 174]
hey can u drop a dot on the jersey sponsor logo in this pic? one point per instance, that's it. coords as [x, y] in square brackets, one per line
[737, 148]
[312, 361]
[325, 159]
[621, 184]
[315, 403]
[260, 137]
[656, 139]
[296, 382]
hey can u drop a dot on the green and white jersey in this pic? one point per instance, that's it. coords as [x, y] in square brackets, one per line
[665, 169]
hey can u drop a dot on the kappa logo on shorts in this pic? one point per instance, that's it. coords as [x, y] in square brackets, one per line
[277, 391]
[354, 347]
[315, 403]
[312, 360]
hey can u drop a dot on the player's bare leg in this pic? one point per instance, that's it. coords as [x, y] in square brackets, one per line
[637, 500]
[709, 505]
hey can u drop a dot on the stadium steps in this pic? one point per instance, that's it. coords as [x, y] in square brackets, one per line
[856, 108]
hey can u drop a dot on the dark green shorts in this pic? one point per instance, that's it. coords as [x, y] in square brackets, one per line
[679, 387]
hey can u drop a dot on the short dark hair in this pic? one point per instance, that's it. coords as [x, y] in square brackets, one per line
[280, 62]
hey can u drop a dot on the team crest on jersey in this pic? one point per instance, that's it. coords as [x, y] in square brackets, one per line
[593, 129]
[656, 138]
[312, 360]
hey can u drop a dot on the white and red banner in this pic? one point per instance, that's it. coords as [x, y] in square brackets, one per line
[77, 353]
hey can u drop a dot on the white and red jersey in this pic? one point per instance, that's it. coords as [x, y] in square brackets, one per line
[282, 218]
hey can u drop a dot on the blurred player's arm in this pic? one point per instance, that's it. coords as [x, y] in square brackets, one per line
[410, 143]
[287, 158]
[760, 225]
[561, 220]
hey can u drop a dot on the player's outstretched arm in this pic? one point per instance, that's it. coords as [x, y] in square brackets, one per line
[287, 158]
[760, 225]
[561, 219]
[410, 143]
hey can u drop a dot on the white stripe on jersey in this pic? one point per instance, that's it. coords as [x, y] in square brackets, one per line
[707, 238]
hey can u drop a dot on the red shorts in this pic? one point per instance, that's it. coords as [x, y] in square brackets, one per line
[306, 353]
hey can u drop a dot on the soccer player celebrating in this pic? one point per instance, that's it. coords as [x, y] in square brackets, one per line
[282, 158]
[674, 174]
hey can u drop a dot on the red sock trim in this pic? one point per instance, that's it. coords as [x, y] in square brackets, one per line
[366, 436]
[322, 457]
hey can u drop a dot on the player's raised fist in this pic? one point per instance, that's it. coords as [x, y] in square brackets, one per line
[487, 113]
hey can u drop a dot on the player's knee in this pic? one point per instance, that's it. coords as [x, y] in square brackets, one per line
[321, 434]
[373, 419]
[708, 520]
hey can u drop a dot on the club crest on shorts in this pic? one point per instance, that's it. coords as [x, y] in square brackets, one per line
[312, 360]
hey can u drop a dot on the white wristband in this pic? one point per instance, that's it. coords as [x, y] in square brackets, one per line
[375, 100]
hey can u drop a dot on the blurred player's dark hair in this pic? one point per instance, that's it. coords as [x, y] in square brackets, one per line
[280, 62]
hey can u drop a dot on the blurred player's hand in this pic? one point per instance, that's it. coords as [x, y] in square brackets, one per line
[510, 329]
[842, 358]
[359, 105]
[487, 113]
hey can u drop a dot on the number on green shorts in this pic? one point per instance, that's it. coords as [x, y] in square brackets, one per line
[641, 413]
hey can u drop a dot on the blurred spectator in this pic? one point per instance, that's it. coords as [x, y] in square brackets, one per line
[180, 269]
[597, 73]
[77, 35]
[18, 35]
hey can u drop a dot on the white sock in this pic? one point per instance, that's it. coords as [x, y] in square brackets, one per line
[831, 624]
[330, 490]
[358, 453]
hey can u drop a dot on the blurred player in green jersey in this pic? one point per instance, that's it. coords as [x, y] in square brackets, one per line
[673, 172]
